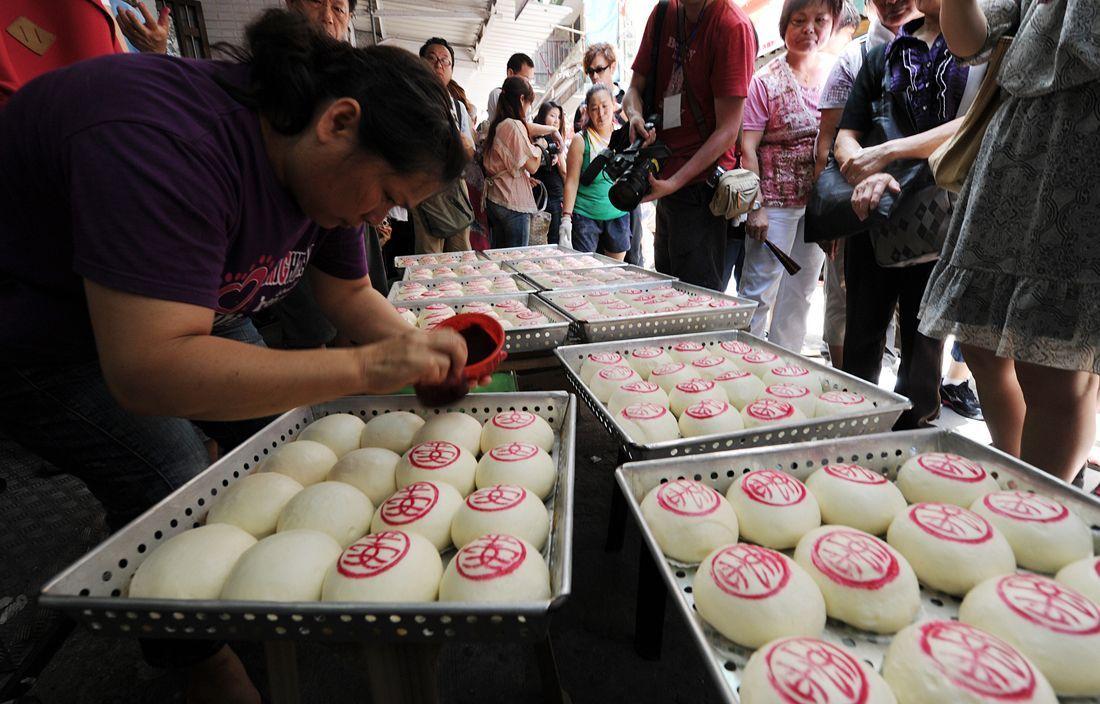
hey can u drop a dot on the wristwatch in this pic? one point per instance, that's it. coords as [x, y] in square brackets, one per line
[756, 204]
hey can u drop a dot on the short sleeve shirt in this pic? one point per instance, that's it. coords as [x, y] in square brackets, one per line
[143, 174]
[718, 62]
[509, 184]
[839, 85]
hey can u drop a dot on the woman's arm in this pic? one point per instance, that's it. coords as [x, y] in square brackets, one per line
[756, 225]
[159, 358]
[358, 311]
[964, 26]
[572, 176]
[846, 147]
[826, 136]
[563, 159]
[872, 160]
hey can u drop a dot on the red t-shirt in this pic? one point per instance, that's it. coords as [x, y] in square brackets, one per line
[719, 64]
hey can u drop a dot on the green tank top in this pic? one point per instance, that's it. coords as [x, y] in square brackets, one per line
[592, 199]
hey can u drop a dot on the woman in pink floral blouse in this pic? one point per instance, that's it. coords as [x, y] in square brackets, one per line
[780, 128]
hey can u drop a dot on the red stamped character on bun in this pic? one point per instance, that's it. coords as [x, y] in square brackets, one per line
[977, 661]
[1024, 506]
[513, 420]
[767, 486]
[500, 497]
[687, 498]
[707, 408]
[373, 554]
[951, 466]
[854, 473]
[411, 503]
[769, 409]
[809, 671]
[1049, 604]
[853, 559]
[951, 523]
[434, 454]
[749, 572]
[514, 452]
[490, 557]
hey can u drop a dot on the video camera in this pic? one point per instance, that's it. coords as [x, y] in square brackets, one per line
[629, 170]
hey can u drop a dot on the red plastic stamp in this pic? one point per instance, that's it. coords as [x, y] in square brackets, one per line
[687, 498]
[809, 671]
[769, 409]
[853, 559]
[707, 408]
[949, 466]
[950, 522]
[749, 572]
[410, 503]
[1048, 604]
[977, 661]
[373, 554]
[490, 556]
[434, 454]
[1025, 506]
[768, 486]
[514, 452]
[854, 473]
[496, 498]
[513, 420]
[644, 411]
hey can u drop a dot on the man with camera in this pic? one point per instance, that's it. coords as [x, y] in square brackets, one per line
[692, 71]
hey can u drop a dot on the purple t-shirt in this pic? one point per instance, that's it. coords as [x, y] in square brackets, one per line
[142, 174]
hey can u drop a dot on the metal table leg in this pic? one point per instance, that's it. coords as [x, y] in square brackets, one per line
[616, 514]
[282, 671]
[649, 617]
[552, 693]
[403, 673]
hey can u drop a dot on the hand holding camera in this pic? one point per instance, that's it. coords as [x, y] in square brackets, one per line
[631, 169]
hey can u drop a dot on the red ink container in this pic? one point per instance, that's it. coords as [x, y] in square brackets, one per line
[484, 338]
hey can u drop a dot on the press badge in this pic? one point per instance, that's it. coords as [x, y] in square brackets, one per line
[670, 113]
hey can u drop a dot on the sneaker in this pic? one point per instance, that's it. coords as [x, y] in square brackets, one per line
[961, 399]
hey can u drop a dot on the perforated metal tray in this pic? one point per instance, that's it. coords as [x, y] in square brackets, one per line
[510, 254]
[90, 590]
[408, 260]
[483, 269]
[522, 284]
[884, 453]
[888, 405]
[542, 282]
[539, 338]
[647, 324]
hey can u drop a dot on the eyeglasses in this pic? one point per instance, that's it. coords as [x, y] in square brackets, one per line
[596, 70]
[438, 61]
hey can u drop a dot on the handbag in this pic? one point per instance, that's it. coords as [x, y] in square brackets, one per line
[951, 162]
[735, 193]
[829, 213]
[448, 212]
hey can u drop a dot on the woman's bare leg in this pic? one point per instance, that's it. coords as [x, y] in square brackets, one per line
[1060, 425]
[1002, 400]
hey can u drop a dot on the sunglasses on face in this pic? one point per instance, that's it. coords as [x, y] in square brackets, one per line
[594, 71]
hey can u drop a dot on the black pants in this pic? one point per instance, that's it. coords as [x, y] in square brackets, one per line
[634, 255]
[873, 293]
[690, 242]
[553, 206]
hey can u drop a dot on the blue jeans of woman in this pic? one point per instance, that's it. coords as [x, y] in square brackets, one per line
[66, 415]
[508, 228]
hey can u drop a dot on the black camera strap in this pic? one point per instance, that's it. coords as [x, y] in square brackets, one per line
[649, 95]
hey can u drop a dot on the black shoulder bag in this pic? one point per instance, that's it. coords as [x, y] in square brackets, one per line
[448, 212]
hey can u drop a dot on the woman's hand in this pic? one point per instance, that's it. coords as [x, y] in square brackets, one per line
[866, 196]
[868, 161]
[756, 226]
[414, 357]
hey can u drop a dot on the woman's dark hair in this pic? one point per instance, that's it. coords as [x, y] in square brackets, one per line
[405, 112]
[849, 17]
[510, 106]
[544, 112]
[792, 6]
[594, 90]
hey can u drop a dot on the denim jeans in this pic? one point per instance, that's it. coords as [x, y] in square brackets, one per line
[509, 228]
[605, 236]
[66, 415]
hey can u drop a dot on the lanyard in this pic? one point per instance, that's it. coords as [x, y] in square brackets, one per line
[680, 55]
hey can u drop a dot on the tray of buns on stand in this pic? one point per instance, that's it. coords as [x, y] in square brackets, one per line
[598, 278]
[530, 323]
[714, 391]
[338, 522]
[918, 566]
[438, 259]
[650, 309]
[535, 251]
[461, 270]
[463, 287]
[572, 262]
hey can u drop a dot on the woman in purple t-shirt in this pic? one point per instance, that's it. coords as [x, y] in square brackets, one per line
[150, 205]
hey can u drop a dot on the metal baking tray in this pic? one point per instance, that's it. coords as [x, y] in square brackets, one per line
[482, 266]
[604, 261]
[537, 338]
[522, 284]
[408, 260]
[536, 251]
[884, 453]
[540, 280]
[888, 405]
[647, 325]
[90, 590]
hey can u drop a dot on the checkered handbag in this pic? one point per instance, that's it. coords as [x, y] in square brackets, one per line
[917, 228]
